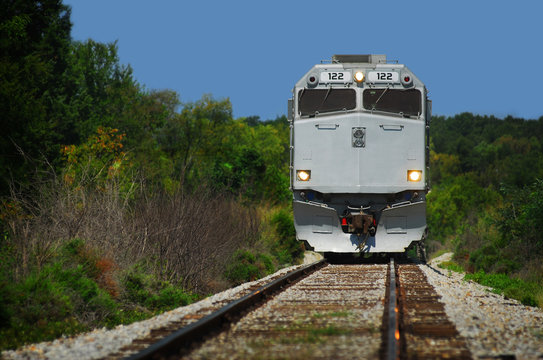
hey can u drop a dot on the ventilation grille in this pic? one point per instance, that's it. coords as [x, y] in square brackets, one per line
[367, 59]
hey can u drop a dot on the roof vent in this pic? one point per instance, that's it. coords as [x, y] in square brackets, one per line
[367, 59]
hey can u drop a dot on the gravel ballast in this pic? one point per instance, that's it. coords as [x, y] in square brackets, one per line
[493, 326]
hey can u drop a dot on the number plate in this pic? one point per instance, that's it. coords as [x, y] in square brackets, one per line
[336, 77]
[383, 77]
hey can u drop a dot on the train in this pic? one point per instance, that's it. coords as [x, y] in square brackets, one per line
[359, 156]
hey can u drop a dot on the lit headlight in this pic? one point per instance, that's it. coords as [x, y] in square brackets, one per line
[303, 175]
[414, 175]
[359, 76]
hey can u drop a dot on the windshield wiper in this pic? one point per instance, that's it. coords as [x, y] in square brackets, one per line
[380, 96]
[324, 100]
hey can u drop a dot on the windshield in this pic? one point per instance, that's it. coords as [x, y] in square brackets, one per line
[311, 101]
[407, 102]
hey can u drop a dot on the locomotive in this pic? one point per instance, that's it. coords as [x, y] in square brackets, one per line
[359, 156]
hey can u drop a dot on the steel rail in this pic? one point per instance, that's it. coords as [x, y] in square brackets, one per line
[181, 339]
[393, 335]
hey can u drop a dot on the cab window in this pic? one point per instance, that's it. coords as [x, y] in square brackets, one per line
[406, 102]
[311, 101]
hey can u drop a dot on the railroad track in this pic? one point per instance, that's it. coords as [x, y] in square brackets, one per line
[322, 311]
[423, 330]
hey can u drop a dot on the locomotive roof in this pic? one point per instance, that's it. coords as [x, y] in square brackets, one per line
[365, 59]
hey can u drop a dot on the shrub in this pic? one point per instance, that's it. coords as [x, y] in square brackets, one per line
[67, 295]
[143, 289]
[287, 250]
[246, 266]
[61, 298]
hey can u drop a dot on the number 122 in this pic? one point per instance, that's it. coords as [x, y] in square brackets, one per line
[335, 76]
[384, 76]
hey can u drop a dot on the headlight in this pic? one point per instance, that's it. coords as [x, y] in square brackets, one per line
[303, 175]
[359, 76]
[414, 175]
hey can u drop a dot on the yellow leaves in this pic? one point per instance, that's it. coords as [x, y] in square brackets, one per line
[107, 140]
[100, 158]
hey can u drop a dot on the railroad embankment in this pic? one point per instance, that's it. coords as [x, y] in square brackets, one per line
[492, 325]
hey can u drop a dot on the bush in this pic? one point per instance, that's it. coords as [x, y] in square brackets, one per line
[142, 289]
[61, 298]
[287, 250]
[246, 266]
[68, 295]
[492, 259]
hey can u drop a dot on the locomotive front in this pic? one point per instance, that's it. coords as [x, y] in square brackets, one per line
[359, 156]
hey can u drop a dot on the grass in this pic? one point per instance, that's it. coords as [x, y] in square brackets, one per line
[528, 293]
[451, 266]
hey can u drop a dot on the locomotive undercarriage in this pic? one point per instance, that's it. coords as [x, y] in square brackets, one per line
[360, 222]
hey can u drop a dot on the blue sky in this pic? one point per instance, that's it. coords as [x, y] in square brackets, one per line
[480, 56]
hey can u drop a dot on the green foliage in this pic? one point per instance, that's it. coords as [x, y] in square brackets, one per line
[525, 292]
[287, 250]
[277, 247]
[100, 159]
[521, 218]
[486, 197]
[143, 289]
[73, 115]
[98, 86]
[490, 258]
[241, 172]
[443, 166]
[195, 135]
[498, 151]
[451, 265]
[34, 52]
[205, 142]
[453, 201]
[528, 293]
[246, 266]
[42, 305]
[74, 292]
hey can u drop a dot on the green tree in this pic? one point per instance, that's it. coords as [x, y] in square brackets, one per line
[192, 137]
[97, 84]
[34, 53]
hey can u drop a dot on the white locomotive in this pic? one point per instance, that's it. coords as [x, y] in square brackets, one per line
[359, 156]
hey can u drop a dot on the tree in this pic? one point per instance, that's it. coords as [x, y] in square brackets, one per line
[192, 137]
[34, 51]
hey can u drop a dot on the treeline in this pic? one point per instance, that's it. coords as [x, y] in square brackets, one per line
[118, 202]
[57, 94]
[487, 195]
